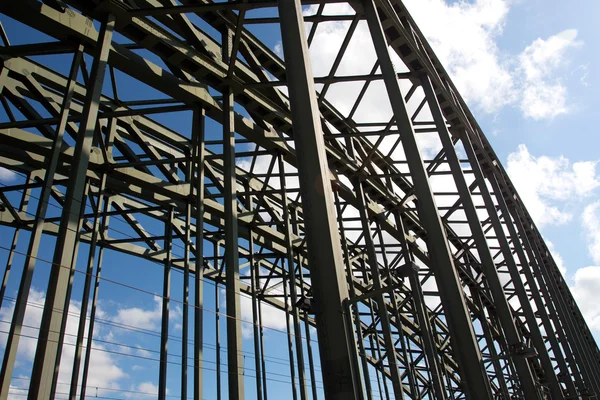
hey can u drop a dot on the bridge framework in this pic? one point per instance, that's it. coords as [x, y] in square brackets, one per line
[392, 244]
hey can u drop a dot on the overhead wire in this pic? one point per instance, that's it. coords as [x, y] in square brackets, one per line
[154, 294]
[275, 360]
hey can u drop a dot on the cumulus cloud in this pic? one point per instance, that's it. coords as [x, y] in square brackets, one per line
[560, 262]
[7, 175]
[548, 185]
[544, 96]
[105, 374]
[147, 318]
[591, 224]
[359, 59]
[464, 36]
[585, 289]
[144, 390]
[272, 317]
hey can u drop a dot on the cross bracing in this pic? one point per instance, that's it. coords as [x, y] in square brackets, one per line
[175, 133]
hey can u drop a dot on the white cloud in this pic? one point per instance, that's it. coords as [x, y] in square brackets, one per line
[272, 317]
[591, 224]
[560, 262]
[544, 96]
[7, 175]
[359, 59]
[147, 318]
[548, 185]
[585, 289]
[463, 36]
[542, 56]
[143, 390]
[105, 373]
[140, 318]
[544, 101]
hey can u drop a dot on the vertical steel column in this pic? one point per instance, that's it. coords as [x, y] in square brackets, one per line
[395, 313]
[232, 267]
[554, 326]
[323, 241]
[13, 246]
[309, 352]
[288, 330]
[198, 143]
[420, 310]
[90, 335]
[573, 310]
[57, 301]
[14, 334]
[69, 288]
[86, 291]
[382, 309]
[536, 335]
[459, 321]
[565, 317]
[166, 299]
[254, 287]
[263, 363]
[555, 303]
[537, 297]
[185, 318]
[218, 326]
[235, 360]
[487, 334]
[292, 279]
[487, 261]
[376, 350]
[352, 290]
[311, 366]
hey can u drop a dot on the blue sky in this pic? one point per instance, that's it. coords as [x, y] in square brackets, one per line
[527, 69]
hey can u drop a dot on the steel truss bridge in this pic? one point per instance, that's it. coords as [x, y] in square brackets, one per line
[417, 264]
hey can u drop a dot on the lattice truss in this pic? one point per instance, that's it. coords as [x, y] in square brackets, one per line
[164, 130]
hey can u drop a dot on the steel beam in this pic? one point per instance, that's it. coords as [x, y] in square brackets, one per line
[235, 361]
[323, 242]
[459, 321]
[198, 126]
[532, 324]
[505, 314]
[57, 302]
[378, 294]
[165, 308]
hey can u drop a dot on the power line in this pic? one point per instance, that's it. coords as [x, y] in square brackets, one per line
[154, 294]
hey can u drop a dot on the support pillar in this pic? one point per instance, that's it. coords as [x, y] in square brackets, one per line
[382, 310]
[57, 302]
[487, 260]
[235, 361]
[198, 142]
[166, 300]
[426, 330]
[464, 341]
[538, 340]
[292, 280]
[323, 241]
[86, 292]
